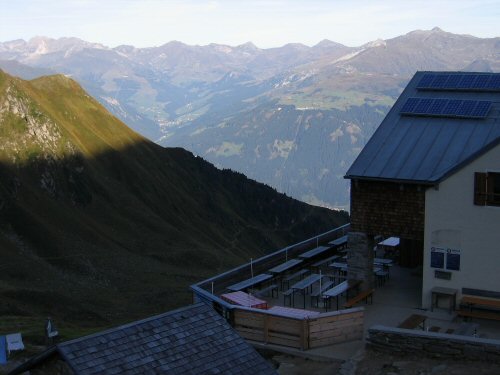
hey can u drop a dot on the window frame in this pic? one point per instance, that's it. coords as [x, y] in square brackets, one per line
[485, 184]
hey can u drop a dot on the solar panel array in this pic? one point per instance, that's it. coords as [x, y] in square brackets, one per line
[446, 107]
[466, 82]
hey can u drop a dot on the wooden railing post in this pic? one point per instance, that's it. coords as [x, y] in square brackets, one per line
[266, 327]
[304, 334]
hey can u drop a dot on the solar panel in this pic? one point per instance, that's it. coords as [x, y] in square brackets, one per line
[452, 107]
[439, 81]
[453, 80]
[467, 82]
[481, 81]
[426, 80]
[423, 106]
[446, 107]
[482, 109]
[437, 106]
[466, 107]
[410, 104]
[494, 82]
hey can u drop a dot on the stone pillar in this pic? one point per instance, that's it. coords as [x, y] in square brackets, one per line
[360, 259]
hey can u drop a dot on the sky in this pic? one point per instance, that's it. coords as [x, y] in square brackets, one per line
[266, 23]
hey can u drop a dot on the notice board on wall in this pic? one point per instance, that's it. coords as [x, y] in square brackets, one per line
[453, 261]
[437, 259]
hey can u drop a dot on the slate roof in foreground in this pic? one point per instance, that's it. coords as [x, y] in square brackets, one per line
[428, 148]
[190, 340]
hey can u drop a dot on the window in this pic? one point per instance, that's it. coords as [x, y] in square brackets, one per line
[487, 189]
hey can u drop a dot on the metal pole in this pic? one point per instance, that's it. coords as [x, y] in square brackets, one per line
[212, 287]
[286, 255]
[320, 277]
[251, 267]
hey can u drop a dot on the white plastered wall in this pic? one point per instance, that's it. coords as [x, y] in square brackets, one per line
[452, 221]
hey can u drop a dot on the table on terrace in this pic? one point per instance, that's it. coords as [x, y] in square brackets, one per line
[302, 285]
[285, 266]
[314, 252]
[321, 263]
[244, 299]
[337, 291]
[341, 267]
[242, 285]
[391, 241]
[339, 242]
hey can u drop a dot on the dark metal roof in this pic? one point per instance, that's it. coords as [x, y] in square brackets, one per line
[427, 149]
[191, 340]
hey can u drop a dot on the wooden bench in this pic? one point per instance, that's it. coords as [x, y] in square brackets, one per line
[288, 295]
[271, 288]
[434, 329]
[481, 314]
[479, 307]
[414, 321]
[287, 279]
[315, 295]
[360, 296]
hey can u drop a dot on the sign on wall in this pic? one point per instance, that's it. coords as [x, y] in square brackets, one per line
[440, 254]
[437, 258]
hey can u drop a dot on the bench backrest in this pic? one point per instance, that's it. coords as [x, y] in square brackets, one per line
[481, 293]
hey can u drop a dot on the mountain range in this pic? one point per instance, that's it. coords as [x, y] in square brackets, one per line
[293, 117]
[99, 224]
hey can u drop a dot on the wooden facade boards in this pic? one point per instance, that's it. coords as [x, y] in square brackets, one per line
[306, 333]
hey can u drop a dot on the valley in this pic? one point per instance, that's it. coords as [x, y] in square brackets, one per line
[293, 117]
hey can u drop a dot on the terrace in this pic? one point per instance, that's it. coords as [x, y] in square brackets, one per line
[297, 297]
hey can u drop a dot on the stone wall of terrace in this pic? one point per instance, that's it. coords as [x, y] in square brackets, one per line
[435, 345]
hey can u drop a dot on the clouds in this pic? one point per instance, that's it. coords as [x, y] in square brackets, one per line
[267, 23]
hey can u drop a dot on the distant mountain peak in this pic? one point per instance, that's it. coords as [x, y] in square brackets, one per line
[375, 43]
[327, 43]
[248, 47]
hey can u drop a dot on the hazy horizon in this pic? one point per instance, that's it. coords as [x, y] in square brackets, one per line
[265, 23]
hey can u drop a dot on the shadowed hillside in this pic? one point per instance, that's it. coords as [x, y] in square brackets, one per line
[97, 224]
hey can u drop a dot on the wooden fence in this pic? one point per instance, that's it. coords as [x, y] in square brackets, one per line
[322, 330]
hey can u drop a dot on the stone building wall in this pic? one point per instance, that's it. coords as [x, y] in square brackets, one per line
[387, 208]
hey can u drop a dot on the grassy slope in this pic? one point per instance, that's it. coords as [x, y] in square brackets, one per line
[124, 225]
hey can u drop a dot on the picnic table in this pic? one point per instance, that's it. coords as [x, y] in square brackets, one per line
[339, 242]
[242, 285]
[341, 269]
[391, 241]
[244, 299]
[285, 266]
[337, 291]
[322, 262]
[314, 252]
[303, 285]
